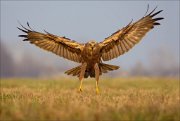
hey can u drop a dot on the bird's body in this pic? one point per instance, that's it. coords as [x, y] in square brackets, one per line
[92, 54]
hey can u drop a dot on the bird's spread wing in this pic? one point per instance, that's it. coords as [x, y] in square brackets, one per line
[61, 46]
[123, 40]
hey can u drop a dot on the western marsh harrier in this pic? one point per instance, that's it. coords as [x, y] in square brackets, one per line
[91, 54]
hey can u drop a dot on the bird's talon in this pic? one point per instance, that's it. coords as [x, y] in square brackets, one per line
[97, 91]
[80, 90]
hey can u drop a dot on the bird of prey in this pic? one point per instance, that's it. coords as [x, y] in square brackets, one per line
[92, 54]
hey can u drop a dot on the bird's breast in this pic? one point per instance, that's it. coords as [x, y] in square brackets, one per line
[91, 54]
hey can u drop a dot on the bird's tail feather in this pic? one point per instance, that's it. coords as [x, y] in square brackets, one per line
[74, 71]
[104, 68]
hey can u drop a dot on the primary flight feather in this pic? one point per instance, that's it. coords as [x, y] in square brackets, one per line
[91, 54]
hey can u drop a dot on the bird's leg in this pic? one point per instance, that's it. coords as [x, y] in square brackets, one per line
[81, 76]
[96, 68]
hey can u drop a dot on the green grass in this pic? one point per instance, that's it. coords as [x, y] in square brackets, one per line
[136, 99]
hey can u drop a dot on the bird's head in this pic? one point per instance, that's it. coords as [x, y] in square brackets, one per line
[92, 43]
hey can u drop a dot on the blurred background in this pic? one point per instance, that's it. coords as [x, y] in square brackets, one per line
[156, 55]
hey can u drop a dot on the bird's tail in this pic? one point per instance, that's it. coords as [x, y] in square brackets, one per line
[74, 71]
[104, 68]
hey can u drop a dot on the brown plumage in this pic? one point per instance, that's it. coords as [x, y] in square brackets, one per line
[91, 54]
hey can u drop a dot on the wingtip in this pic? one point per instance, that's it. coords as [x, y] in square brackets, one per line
[147, 10]
[25, 40]
[153, 10]
[19, 28]
[22, 30]
[156, 23]
[157, 19]
[29, 26]
[156, 13]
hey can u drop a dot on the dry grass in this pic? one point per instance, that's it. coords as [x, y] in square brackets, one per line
[120, 99]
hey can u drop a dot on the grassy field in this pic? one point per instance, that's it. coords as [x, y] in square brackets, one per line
[139, 99]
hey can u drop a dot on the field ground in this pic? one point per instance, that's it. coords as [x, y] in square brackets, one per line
[139, 99]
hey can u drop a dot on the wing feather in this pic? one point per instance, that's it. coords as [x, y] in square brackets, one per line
[56, 49]
[108, 55]
[116, 50]
[61, 51]
[61, 46]
[111, 54]
[123, 40]
[76, 57]
[64, 52]
[120, 49]
[68, 55]
[129, 43]
[71, 56]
